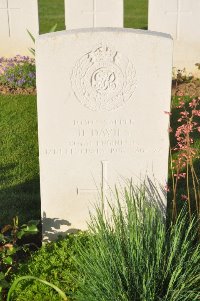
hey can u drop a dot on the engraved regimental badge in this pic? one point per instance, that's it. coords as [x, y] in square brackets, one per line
[103, 79]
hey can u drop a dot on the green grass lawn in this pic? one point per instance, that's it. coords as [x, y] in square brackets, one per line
[19, 176]
[52, 12]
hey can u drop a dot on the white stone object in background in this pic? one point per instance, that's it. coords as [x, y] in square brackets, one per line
[181, 19]
[102, 94]
[94, 13]
[16, 16]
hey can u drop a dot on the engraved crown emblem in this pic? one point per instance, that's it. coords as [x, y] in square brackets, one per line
[103, 54]
[103, 79]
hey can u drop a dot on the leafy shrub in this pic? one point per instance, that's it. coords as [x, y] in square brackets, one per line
[55, 263]
[132, 257]
[18, 72]
[54, 287]
[10, 248]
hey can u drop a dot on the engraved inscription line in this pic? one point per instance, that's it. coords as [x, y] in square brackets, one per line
[8, 9]
[178, 13]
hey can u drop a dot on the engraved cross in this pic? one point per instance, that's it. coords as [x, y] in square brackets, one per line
[179, 12]
[94, 12]
[104, 181]
[8, 11]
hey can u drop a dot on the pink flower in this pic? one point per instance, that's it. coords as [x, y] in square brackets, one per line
[180, 175]
[181, 104]
[184, 197]
[193, 103]
[185, 114]
[196, 113]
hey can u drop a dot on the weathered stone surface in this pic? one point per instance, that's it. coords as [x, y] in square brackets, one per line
[102, 94]
[94, 13]
[17, 16]
[180, 18]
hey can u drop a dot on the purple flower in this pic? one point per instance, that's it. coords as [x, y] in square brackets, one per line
[31, 75]
[20, 82]
[10, 64]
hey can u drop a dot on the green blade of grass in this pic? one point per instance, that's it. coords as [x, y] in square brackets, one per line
[15, 283]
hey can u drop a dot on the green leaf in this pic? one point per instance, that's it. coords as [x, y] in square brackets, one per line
[32, 229]
[8, 260]
[32, 50]
[61, 293]
[20, 234]
[33, 222]
[13, 250]
[31, 36]
[53, 29]
[27, 230]
[2, 276]
[2, 238]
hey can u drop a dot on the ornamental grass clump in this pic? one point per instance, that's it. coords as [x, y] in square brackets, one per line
[133, 257]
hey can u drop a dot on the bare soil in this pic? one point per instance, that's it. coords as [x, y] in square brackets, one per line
[14, 91]
[191, 88]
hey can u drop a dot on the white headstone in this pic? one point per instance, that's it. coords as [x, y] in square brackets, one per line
[180, 18]
[94, 13]
[16, 17]
[101, 101]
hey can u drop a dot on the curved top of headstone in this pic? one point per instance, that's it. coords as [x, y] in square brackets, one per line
[105, 29]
